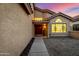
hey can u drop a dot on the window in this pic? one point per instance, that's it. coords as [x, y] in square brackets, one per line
[58, 20]
[58, 28]
[76, 27]
[53, 28]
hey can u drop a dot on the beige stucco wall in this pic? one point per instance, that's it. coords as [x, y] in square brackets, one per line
[41, 14]
[38, 13]
[15, 29]
[46, 15]
[74, 34]
[77, 22]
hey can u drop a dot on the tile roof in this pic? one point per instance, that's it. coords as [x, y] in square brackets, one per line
[61, 14]
[76, 18]
[73, 19]
[44, 10]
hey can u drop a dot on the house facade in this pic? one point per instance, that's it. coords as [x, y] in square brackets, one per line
[57, 24]
[20, 23]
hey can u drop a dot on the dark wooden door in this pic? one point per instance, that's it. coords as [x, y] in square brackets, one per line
[38, 29]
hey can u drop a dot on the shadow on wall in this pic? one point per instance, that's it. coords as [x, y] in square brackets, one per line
[27, 48]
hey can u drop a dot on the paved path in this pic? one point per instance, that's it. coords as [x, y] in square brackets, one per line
[62, 46]
[38, 48]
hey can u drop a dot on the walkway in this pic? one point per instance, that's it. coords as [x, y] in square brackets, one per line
[38, 48]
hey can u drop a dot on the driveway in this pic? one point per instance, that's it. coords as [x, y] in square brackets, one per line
[62, 46]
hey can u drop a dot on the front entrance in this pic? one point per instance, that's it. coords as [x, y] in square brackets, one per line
[41, 29]
[38, 29]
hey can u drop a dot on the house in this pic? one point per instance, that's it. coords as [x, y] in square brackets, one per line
[19, 23]
[57, 24]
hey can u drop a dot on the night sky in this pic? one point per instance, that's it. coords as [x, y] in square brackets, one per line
[71, 9]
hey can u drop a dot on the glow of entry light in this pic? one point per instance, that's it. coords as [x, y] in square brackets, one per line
[44, 26]
[38, 19]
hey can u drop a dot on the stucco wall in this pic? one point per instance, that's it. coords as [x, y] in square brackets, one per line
[75, 34]
[15, 29]
[77, 22]
[38, 13]
[41, 14]
[46, 15]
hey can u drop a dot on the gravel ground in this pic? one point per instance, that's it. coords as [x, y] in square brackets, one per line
[62, 46]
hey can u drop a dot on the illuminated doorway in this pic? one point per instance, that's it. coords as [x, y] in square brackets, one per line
[41, 29]
[59, 27]
[38, 29]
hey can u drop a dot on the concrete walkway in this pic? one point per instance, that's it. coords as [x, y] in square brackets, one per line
[38, 48]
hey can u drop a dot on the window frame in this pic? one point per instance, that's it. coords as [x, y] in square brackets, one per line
[76, 27]
[62, 28]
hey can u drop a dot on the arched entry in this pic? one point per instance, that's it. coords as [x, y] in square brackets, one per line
[41, 29]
